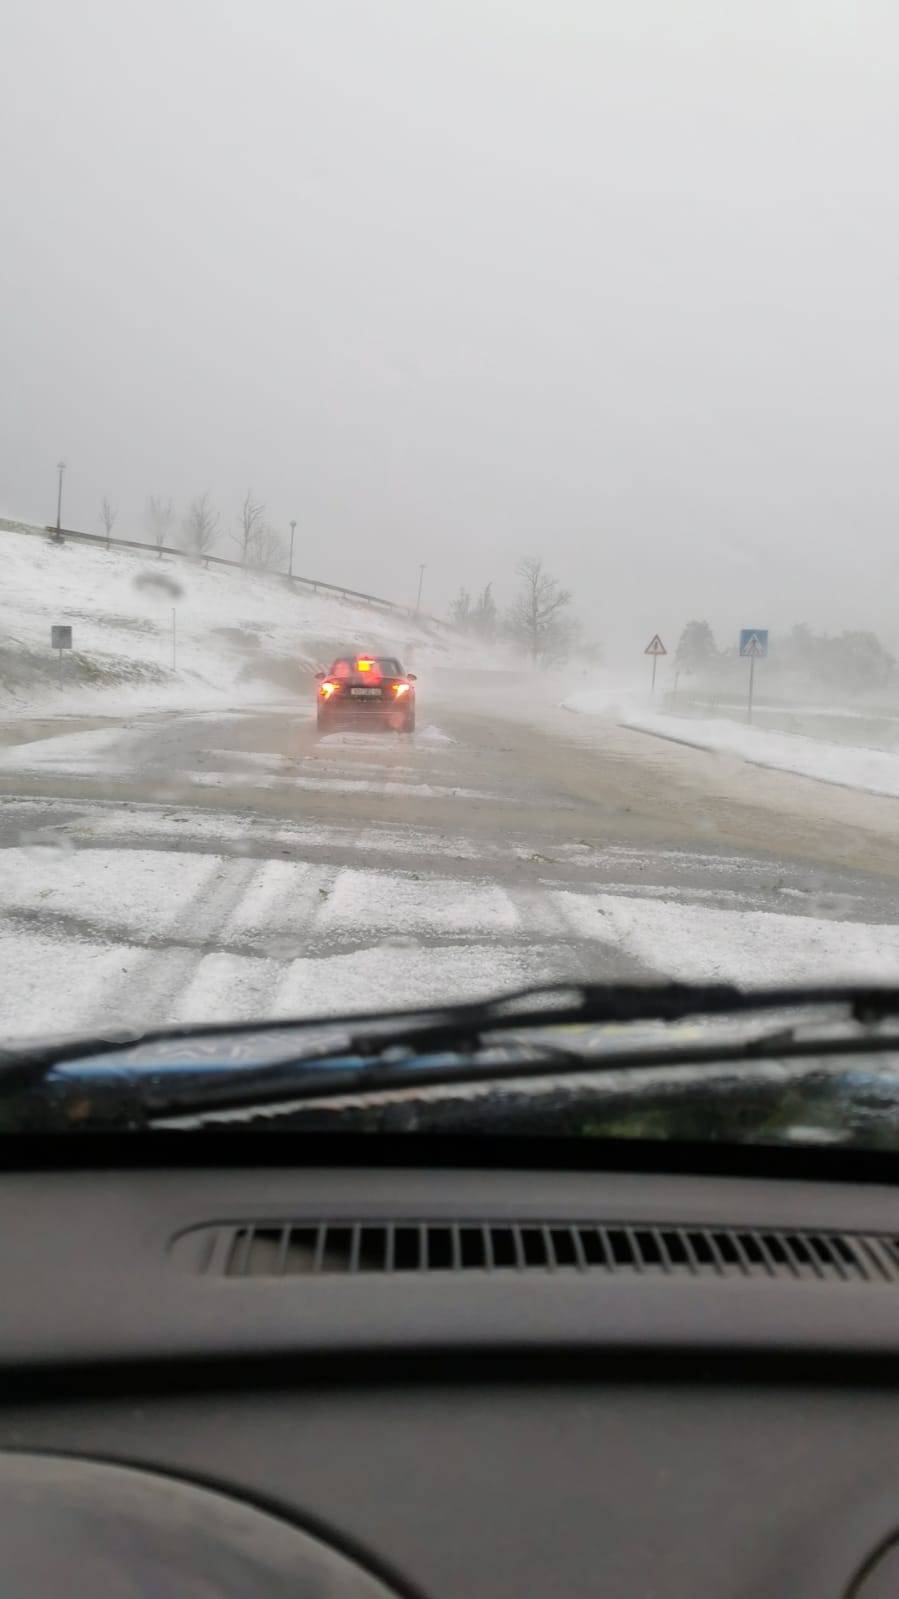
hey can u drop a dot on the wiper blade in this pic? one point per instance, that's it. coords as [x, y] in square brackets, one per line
[385, 1050]
[546, 1070]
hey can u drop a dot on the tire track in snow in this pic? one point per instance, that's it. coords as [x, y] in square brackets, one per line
[161, 976]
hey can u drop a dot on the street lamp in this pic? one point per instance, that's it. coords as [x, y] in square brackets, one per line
[293, 528]
[421, 578]
[60, 467]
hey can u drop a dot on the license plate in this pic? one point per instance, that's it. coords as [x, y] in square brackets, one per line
[368, 693]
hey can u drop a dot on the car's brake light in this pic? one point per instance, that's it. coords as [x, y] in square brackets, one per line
[328, 688]
[401, 688]
[364, 665]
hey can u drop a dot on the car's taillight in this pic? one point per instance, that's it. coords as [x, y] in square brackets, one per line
[401, 688]
[328, 688]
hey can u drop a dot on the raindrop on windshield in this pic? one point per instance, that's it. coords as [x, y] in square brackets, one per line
[160, 583]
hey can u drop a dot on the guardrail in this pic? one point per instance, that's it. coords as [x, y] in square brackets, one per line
[293, 579]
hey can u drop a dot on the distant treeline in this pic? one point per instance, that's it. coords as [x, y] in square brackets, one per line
[853, 661]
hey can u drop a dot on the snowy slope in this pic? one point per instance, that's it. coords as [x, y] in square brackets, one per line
[239, 636]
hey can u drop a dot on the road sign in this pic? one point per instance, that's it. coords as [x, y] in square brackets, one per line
[60, 639]
[655, 648]
[754, 642]
[754, 645]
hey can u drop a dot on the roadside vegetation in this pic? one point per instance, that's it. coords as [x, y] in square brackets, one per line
[851, 664]
[537, 623]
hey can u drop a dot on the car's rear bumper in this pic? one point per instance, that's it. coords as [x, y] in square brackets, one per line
[388, 711]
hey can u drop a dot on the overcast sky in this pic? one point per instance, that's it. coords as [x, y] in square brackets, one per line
[455, 281]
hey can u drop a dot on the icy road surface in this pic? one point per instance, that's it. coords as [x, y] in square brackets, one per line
[179, 867]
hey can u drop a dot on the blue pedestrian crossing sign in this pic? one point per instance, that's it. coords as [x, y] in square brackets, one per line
[754, 642]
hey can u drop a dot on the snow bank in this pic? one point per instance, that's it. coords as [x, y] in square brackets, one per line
[854, 766]
[849, 766]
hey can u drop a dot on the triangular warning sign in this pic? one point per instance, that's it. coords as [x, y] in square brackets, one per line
[753, 646]
[655, 646]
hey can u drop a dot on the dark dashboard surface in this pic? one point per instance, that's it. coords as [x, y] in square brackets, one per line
[605, 1429]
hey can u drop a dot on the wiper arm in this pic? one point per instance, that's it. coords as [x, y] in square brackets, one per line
[295, 1091]
[386, 1050]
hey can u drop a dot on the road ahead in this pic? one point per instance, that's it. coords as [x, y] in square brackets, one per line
[183, 865]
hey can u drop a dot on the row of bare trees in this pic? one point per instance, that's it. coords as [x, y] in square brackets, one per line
[199, 529]
[537, 621]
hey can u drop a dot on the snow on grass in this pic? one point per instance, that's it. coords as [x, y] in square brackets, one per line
[848, 766]
[239, 635]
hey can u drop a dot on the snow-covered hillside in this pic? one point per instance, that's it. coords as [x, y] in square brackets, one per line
[239, 636]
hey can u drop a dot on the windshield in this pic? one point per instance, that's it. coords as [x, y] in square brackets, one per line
[375, 666]
[448, 507]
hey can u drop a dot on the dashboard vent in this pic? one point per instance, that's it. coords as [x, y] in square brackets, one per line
[323, 1248]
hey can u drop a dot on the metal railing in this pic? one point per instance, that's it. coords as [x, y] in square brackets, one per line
[294, 579]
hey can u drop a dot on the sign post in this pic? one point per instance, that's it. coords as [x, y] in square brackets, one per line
[655, 648]
[754, 645]
[60, 639]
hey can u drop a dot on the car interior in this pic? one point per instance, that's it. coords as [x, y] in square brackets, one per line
[275, 1364]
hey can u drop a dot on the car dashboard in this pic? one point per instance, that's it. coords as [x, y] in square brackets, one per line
[447, 1381]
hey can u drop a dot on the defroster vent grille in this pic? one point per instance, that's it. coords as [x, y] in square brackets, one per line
[274, 1249]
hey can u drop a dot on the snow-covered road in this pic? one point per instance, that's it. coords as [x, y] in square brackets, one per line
[182, 867]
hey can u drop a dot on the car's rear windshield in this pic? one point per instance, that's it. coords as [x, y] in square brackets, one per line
[381, 665]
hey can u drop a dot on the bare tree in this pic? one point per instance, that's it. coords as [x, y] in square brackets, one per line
[200, 526]
[460, 610]
[267, 548]
[484, 616]
[249, 525]
[536, 620]
[159, 516]
[108, 514]
[696, 649]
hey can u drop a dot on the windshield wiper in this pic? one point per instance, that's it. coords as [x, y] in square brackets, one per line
[410, 1048]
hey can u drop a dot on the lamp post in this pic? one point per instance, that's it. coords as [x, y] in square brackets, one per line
[293, 528]
[421, 578]
[60, 467]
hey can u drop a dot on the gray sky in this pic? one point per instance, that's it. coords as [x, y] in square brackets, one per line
[460, 280]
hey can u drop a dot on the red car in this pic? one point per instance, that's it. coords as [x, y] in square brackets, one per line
[363, 690]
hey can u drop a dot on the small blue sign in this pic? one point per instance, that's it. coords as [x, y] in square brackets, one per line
[754, 642]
